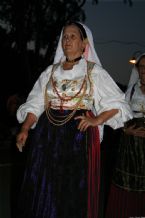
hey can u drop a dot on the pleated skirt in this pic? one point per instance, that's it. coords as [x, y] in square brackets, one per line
[127, 193]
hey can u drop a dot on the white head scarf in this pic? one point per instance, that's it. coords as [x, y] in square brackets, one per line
[134, 73]
[89, 53]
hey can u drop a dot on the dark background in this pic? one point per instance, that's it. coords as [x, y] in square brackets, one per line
[38, 23]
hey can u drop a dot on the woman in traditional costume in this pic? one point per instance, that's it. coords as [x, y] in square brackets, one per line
[68, 106]
[127, 194]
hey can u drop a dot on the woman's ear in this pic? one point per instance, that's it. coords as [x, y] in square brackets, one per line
[86, 51]
[84, 44]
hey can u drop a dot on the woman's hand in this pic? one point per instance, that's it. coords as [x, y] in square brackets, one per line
[21, 139]
[23, 134]
[139, 131]
[87, 120]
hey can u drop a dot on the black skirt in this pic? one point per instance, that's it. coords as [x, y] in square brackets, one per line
[55, 182]
[127, 194]
[130, 169]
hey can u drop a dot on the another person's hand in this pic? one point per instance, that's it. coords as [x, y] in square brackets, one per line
[21, 139]
[139, 131]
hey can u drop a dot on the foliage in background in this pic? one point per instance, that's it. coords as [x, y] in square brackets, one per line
[35, 25]
[29, 31]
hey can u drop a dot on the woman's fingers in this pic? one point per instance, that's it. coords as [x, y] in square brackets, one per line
[20, 146]
[20, 141]
[85, 121]
[83, 125]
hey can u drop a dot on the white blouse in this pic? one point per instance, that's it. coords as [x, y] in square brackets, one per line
[101, 94]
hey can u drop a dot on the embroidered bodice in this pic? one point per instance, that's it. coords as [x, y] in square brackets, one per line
[66, 88]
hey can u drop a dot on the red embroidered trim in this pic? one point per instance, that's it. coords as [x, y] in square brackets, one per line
[93, 172]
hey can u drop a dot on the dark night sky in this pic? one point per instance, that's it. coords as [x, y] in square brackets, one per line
[118, 32]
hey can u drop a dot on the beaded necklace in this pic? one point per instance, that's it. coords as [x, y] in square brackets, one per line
[64, 118]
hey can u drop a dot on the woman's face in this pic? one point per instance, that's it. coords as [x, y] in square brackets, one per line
[141, 70]
[72, 43]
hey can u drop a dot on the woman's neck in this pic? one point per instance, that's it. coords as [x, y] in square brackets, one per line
[70, 60]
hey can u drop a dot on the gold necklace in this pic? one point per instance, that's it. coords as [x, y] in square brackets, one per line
[66, 98]
[66, 118]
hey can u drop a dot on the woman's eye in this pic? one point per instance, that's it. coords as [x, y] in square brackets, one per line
[73, 36]
[65, 37]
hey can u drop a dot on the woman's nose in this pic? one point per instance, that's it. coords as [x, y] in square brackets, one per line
[68, 39]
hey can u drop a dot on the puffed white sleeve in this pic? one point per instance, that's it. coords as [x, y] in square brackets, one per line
[128, 93]
[35, 100]
[107, 96]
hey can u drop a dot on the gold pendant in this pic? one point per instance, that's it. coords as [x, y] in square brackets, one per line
[63, 87]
